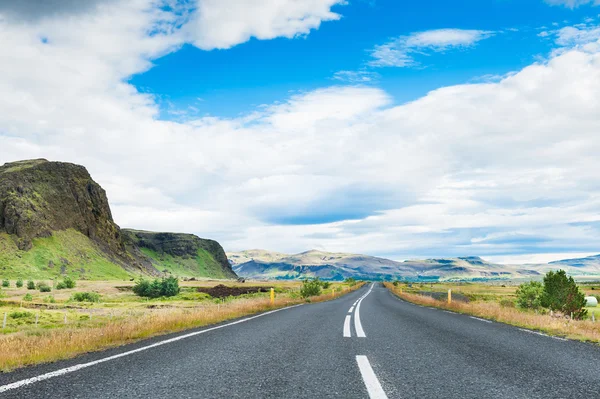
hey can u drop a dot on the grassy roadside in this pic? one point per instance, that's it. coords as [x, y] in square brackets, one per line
[583, 330]
[127, 319]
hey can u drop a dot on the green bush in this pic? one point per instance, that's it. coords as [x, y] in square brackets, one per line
[31, 285]
[43, 287]
[86, 297]
[166, 287]
[350, 281]
[310, 288]
[395, 283]
[325, 284]
[49, 299]
[28, 298]
[69, 282]
[561, 293]
[5, 283]
[20, 315]
[19, 283]
[529, 295]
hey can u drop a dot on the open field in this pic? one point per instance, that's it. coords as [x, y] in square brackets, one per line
[53, 326]
[498, 303]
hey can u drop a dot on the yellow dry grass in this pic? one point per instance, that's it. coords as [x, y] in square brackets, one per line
[584, 330]
[41, 346]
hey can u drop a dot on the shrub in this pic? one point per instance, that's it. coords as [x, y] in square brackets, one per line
[561, 293]
[529, 295]
[395, 283]
[166, 287]
[325, 284]
[20, 315]
[169, 286]
[31, 285]
[43, 287]
[49, 299]
[310, 288]
[69, 282]
[19, 283]
[5, 283]
[350, 281]
[28, 298]
[86, 297]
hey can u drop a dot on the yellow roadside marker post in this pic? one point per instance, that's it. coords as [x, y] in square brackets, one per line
[272, 296]
[449, 296]
[333, 293]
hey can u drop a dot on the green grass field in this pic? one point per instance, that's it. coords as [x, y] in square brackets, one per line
[64, 253]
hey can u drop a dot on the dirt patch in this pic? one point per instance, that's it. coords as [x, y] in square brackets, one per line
[222, 291]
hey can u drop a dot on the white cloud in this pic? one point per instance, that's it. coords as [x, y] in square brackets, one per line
[221, 24]
[465, 169]
[356, 77]
[572, 3]
[400, 51]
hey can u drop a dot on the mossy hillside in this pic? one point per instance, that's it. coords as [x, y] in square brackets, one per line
[183, 255]
[64, 253]
[201, 265]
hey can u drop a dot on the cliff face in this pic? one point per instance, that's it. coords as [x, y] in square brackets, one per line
[38, 199]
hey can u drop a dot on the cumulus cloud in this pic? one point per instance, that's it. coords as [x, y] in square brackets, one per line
[502, 167]
[400, 51]
[219, 24]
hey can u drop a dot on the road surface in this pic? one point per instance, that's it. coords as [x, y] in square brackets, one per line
[367, 344]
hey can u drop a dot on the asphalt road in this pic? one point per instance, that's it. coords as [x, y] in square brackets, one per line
[392, 349]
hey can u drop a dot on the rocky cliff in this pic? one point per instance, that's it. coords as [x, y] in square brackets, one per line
[55, 214]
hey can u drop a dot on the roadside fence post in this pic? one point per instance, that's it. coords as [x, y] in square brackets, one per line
[449, 296]
[4, 322]
[593, 317]
[571, 315]
[37, 318]
[272, 296]
[333, 293]
[65, 317]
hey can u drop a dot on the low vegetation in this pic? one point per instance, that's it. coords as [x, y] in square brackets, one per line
[100, 315]
[544, 306]
[167, 287]
[86, 297]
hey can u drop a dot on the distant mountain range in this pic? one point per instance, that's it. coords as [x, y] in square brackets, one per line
[261, 264]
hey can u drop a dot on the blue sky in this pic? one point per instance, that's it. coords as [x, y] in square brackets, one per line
[233, 81]
[393, 128]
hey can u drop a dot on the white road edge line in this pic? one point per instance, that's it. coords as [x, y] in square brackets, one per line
[370, 379]
[542, 334]
[67, 370]
[351, 309]
[477, 318]
[447, 311]
[347, 332]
